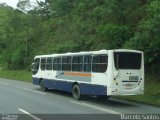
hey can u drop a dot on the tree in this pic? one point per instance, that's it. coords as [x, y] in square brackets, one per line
[42, 9]
[147, 36]
[25, 5]
[113, 36]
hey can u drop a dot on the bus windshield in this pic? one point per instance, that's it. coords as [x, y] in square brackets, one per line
[127, 60]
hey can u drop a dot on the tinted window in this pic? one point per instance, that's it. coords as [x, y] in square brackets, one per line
[127, 60]
[87, 63]
[59, 64]
[49, 64]
[99, 63]
[77, 63]
[55, 64]
[43, 63]
[66, 63]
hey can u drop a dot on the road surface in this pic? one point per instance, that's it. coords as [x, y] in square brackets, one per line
[22, 100]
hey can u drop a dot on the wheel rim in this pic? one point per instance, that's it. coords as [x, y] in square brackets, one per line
[76, 92]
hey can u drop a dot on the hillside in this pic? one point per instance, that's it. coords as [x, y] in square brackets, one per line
[71, 26]
[4, 10]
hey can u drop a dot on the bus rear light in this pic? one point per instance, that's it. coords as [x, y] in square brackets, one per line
[115, 81]
[140, 81]
[141, 90]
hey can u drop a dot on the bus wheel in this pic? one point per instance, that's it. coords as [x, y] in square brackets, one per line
[42, 86]
[76, 94]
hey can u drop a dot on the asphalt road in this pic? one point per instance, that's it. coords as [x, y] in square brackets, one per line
[22, 100]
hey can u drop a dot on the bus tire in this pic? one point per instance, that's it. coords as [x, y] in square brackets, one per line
[76, 93]
[42, 86]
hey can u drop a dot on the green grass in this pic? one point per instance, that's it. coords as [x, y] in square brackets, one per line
[20, 75]
[151, 95]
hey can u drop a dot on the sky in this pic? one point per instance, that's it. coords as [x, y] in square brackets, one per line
[13, 3]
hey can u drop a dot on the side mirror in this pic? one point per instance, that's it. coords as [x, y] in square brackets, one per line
[33, 67]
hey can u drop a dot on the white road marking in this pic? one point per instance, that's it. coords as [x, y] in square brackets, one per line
[29, 114]
[4, 83]
[34, 91]
[95, 107]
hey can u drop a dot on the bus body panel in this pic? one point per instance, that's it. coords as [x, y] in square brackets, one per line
[110, 82]
[86, 88]
[127, 81]
[99, 78]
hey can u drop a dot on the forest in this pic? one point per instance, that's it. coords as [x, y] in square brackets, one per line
[59, 26]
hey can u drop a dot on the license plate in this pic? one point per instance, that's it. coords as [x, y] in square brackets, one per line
[128, 85]
[133, 78]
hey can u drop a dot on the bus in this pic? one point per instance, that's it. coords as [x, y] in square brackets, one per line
[100, 73]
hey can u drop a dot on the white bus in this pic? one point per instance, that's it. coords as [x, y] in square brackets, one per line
[99, 73]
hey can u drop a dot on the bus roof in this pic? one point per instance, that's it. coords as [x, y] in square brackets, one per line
[87, 53]
[127, 50]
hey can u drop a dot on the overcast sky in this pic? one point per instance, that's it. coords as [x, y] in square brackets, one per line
[13, 3]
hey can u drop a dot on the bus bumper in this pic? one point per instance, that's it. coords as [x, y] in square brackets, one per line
[118, 91]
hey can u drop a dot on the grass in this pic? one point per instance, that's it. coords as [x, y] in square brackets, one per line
[151, 95]
[21, 75]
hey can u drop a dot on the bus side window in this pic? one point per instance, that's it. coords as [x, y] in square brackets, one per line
[49, 64]
[66, 63]
[43, 63]
[54, 63]
[77, 63]
[59, 64]
[87, 63]
[99, 63]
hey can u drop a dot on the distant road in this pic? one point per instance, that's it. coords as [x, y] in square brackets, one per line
[30, 103]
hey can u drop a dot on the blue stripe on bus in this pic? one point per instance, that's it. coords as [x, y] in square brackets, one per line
[35, 81]
[90, 89]
[59, 85]
[87, 89]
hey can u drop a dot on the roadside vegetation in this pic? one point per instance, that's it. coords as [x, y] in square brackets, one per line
[59, 26]
[21, 75]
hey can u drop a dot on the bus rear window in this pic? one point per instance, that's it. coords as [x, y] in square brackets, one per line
[127, 60]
